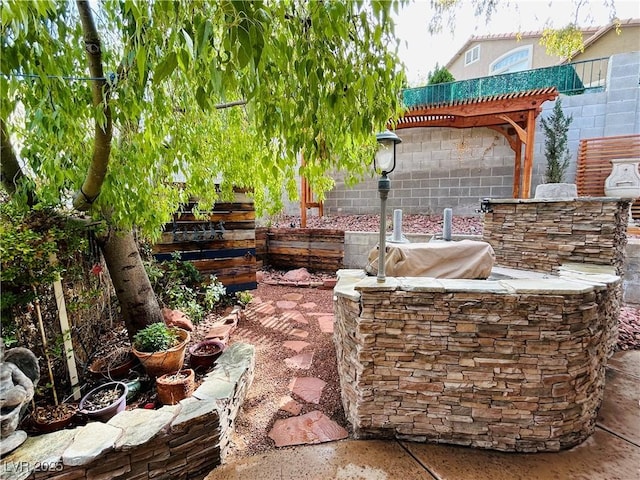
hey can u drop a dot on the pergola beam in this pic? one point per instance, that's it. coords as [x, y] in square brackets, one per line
[519, 110]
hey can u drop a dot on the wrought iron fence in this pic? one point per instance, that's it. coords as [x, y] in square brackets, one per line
[570, 79]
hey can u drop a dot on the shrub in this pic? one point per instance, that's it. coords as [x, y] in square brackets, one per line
[556, 129]
[155, 338]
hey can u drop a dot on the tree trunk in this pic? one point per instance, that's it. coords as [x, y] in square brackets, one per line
[138, 303]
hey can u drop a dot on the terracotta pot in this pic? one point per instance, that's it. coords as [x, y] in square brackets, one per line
[101, 368]
[104, 414]
[176, 386]
[204, 354]
[61, 421]
[165, 361]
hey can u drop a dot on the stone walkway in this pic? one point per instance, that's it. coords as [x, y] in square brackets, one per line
[292, 317]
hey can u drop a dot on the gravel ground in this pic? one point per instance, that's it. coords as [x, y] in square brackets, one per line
[271, 381]
[371, 223]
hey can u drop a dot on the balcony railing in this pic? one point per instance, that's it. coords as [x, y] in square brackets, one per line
[570, 79]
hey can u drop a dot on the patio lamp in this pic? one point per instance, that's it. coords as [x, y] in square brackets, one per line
[385, 162]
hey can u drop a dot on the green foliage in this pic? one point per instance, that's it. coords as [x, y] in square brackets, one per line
[440, 75]
[304, 69]
[214, 293]
[30, 239]
[178, 285]
[244, 297]
[155, 338]
[563, 42]
[556, 129]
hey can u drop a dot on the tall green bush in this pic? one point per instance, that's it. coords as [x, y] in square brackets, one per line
[556, 129]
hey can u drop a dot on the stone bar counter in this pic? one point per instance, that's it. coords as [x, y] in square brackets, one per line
[512, 364]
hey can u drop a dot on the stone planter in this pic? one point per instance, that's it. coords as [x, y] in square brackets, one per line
[165, 361]
[176, 386]
[624, 180]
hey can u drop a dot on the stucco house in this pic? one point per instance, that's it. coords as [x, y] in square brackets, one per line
[488, 55]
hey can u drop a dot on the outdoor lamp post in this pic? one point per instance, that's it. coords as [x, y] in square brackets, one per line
[385, 161]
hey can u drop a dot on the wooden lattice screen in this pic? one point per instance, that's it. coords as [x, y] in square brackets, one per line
[594, 163]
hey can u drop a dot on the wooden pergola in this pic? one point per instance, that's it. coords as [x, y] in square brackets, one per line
[512, 115]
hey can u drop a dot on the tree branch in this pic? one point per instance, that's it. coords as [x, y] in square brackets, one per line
[100, 94]
[10, 172]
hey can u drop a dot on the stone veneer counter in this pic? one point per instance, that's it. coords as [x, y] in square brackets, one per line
[515, 364]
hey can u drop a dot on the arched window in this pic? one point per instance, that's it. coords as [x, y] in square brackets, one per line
[514, 61]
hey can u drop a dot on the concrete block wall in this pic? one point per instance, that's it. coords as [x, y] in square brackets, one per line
[441, 168]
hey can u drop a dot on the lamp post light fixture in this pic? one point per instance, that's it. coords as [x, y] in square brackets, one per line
[385, 161]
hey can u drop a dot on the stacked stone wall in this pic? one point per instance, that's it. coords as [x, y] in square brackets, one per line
[496, 365]
[542, 235]
[184, 441]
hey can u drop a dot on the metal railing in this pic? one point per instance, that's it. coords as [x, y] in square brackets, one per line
[570, 79]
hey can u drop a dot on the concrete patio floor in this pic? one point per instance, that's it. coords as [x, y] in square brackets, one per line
[611, 453]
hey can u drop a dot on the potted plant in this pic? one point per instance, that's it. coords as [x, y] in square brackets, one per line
[204, 354]
[115, 364]
[105, 401]
[160, 349]
[176, 386]
[51, 418]
[556, 129]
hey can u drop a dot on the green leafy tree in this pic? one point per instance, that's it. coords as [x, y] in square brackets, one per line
[106, 104]
[439, 75]
[556, 150]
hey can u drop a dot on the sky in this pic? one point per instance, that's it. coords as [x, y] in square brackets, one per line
[420, 50]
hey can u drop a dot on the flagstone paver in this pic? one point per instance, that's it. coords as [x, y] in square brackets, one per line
[308, 388]
[313, 427]
[265, 309]
[294, 297]
[294, 316]
[295, 345]
[326, 324]
[286, 304]
[289, 405]
[297, 332]
[309, 305]
[302, 361]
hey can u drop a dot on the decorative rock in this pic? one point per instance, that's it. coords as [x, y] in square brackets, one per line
[298, 275]
[302, 361]
[295, 345]
[289, 405]
[260, 276]
[175, 318]
[313, 427]
[90, 441]
[307, 388]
